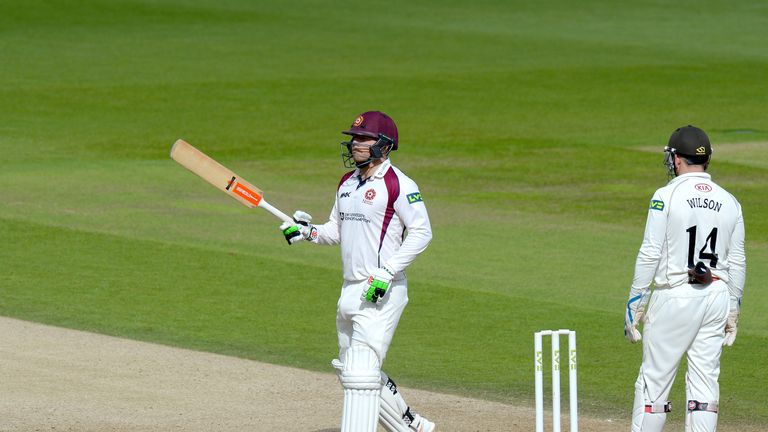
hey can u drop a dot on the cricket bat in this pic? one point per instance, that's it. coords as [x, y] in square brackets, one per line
[223, 178]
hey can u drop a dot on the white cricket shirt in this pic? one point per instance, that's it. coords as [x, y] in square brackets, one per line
[380, 222]
[691, 219]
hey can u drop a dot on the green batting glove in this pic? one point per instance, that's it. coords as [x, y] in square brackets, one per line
[301, 230]
[378, 284]
[291, 232]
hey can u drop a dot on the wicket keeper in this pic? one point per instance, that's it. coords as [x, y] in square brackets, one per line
[693, 251]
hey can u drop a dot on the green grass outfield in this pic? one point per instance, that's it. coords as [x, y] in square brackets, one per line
[527, 127]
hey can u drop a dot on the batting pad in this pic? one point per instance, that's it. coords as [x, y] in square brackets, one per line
[393, 407]
[361, 379]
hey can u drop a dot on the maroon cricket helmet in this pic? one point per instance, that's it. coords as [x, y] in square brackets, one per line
[373, 124]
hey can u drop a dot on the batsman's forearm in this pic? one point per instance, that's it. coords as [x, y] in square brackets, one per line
[328, 233]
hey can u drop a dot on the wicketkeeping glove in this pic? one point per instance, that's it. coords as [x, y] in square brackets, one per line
[377, 286]
[634, 315]
[733, 321]
[301, 230]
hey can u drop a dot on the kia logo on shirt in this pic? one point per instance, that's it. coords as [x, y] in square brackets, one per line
[345, 195]
[703, 187]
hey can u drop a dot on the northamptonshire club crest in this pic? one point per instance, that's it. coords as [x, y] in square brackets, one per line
[370, 194]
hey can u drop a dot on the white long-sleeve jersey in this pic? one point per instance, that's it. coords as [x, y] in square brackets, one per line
[691, 219]
[379, 222]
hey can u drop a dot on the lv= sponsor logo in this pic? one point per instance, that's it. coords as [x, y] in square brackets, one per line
[414, 197]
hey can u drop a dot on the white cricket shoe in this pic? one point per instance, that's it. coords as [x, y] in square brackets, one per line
[420, 424]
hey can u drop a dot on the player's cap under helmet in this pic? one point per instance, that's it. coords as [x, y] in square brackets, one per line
[690, 143]
[373, 124]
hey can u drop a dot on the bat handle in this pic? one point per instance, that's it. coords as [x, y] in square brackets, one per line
[277, 213]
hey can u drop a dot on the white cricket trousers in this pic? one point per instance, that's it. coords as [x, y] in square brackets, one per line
[372, 324]
[689, 319]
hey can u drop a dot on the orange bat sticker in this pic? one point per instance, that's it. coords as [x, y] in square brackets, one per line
[247, 194]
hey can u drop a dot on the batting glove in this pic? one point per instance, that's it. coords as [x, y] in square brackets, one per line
[301, 230]
[378, 284]
[733, 321]
[634, 315]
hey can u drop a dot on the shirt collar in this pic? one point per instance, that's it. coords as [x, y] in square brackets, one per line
[383, 167]
[681, 177]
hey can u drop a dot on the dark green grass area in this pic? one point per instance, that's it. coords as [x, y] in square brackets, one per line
[533, 129]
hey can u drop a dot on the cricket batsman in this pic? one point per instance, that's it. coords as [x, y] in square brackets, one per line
[380, 221]
[693, 252]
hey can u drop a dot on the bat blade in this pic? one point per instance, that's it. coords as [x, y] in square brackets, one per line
[216, 174]
[222, 177]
